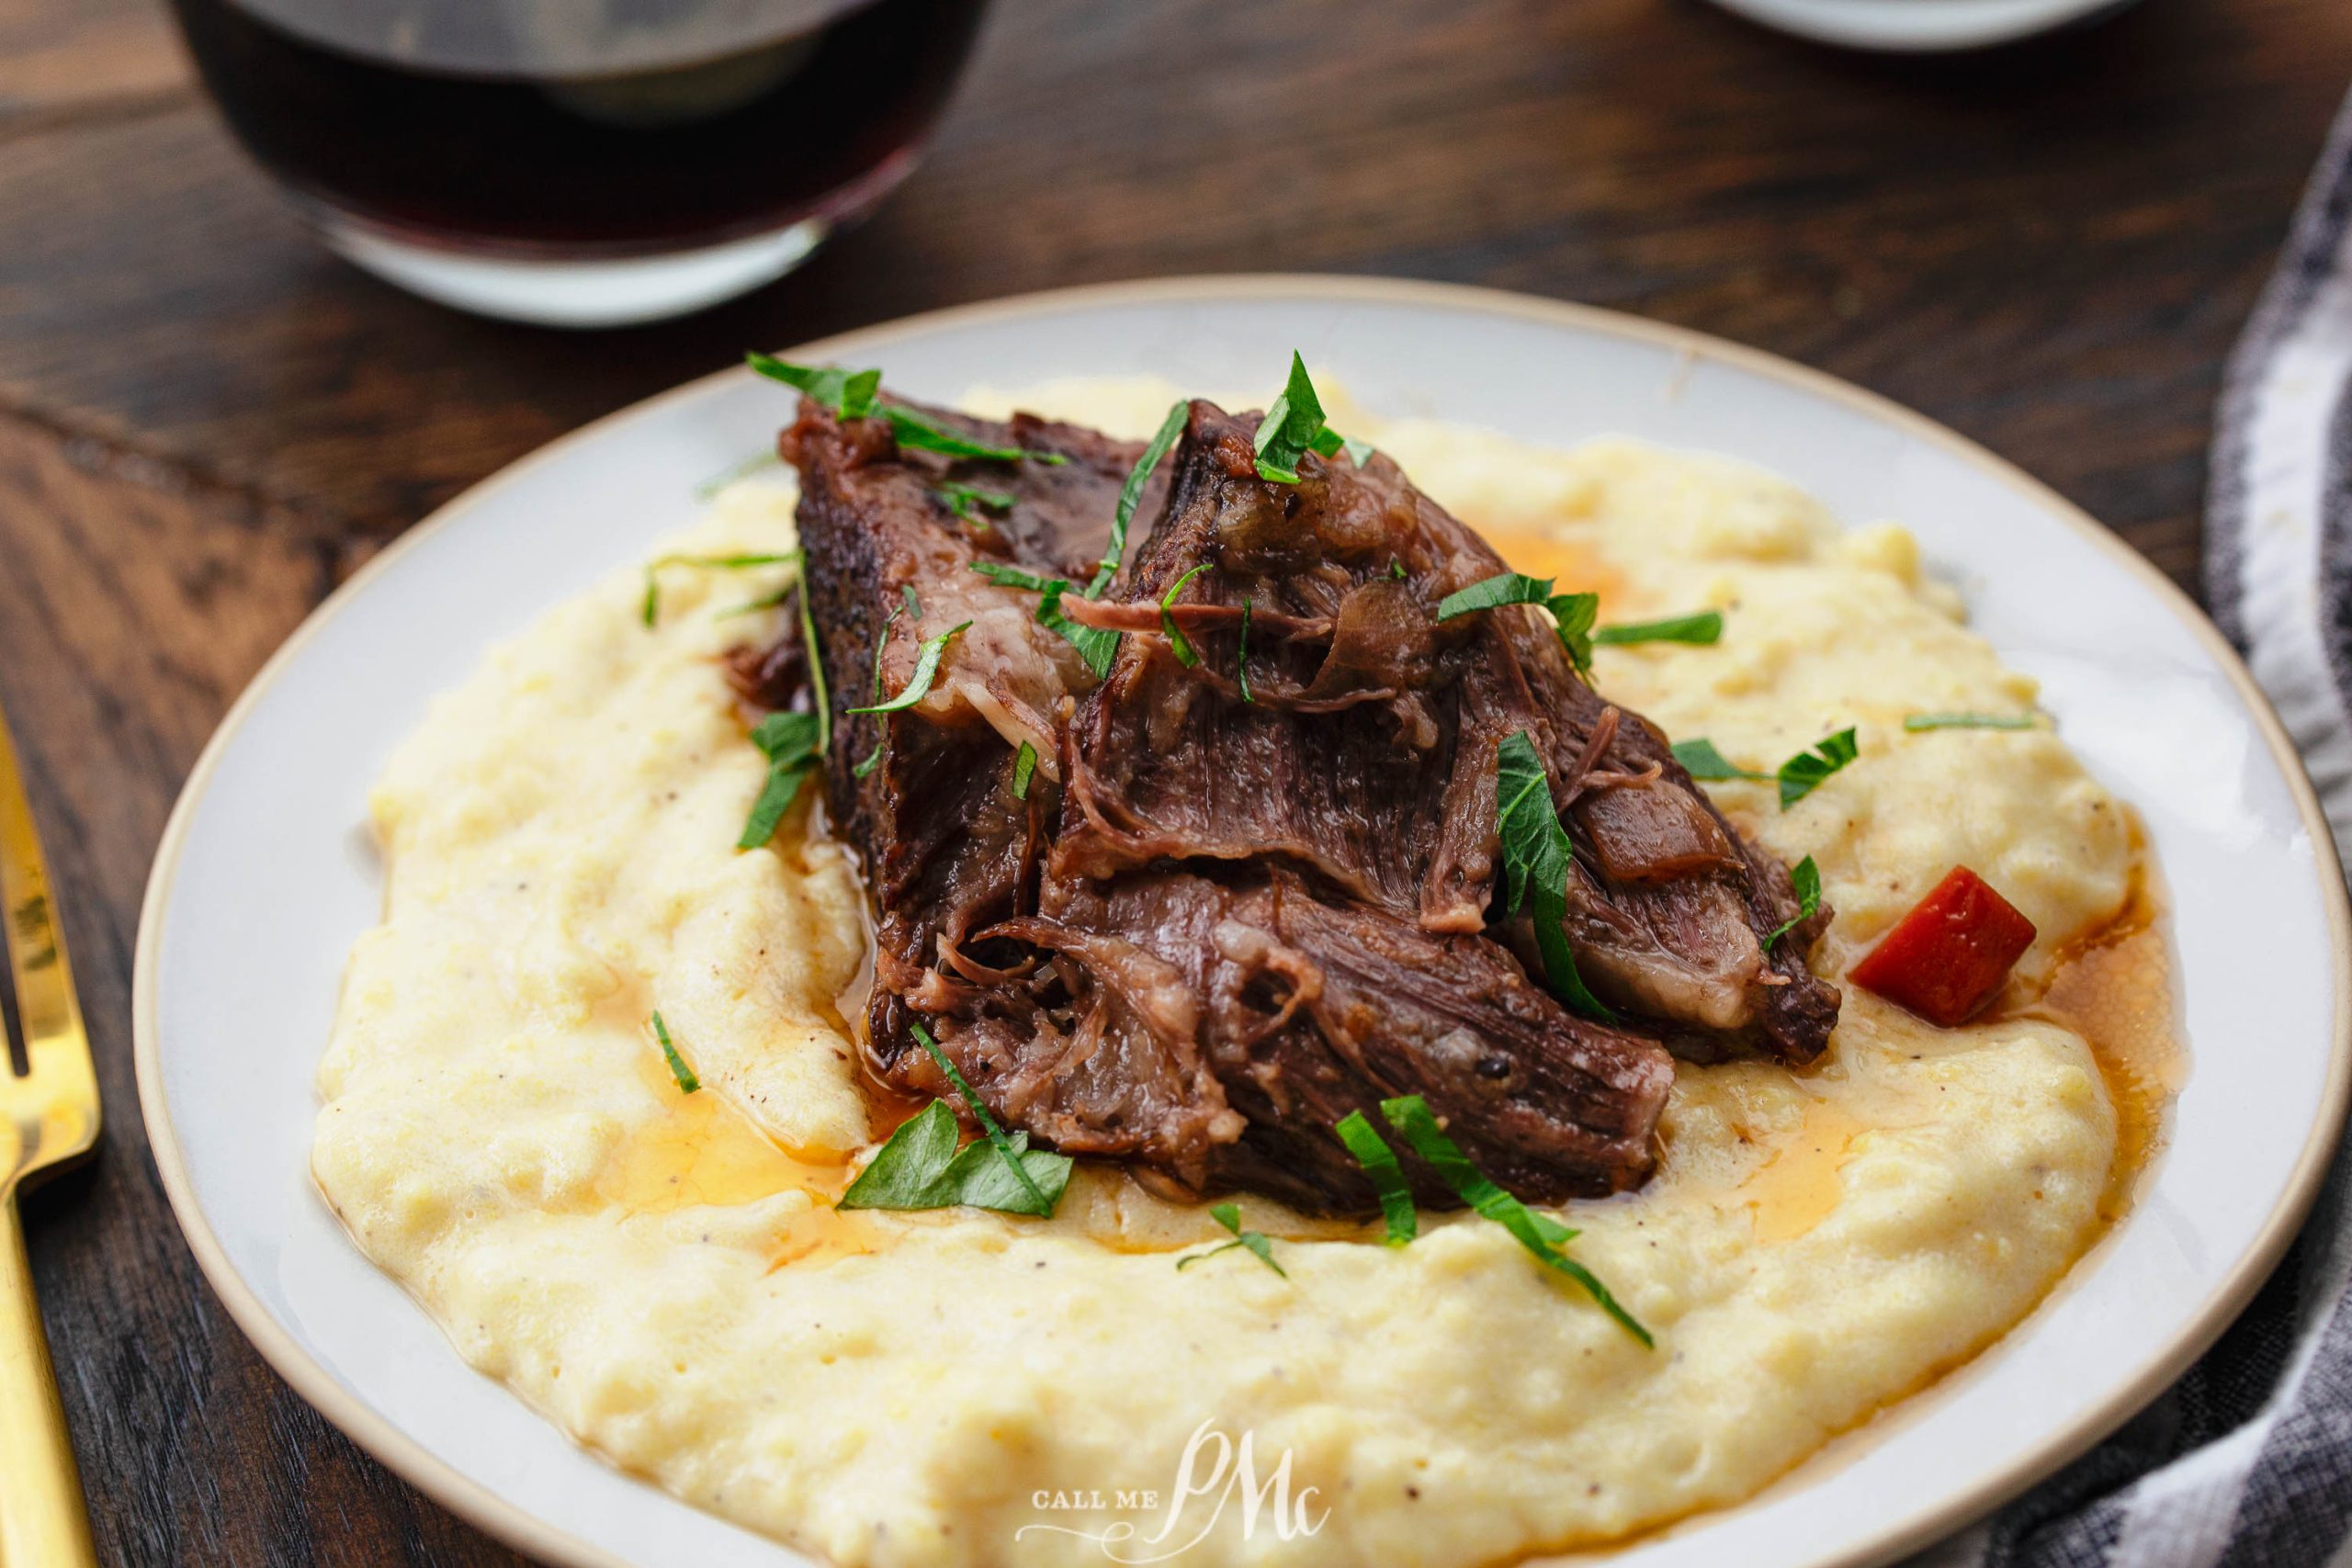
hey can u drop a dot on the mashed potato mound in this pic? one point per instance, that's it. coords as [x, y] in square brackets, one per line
[664, 1275]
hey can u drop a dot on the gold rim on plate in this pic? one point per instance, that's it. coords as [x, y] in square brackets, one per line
[491, 1513]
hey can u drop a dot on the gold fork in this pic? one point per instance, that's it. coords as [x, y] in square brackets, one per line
[49, 1118]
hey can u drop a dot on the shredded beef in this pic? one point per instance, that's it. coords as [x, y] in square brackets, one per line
[1244, 897]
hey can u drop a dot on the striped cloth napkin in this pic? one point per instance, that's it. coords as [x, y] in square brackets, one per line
[2247, 1463]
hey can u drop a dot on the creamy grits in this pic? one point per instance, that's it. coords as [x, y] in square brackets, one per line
[664, 1277]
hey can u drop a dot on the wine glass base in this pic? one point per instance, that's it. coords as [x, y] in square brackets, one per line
[556, 292]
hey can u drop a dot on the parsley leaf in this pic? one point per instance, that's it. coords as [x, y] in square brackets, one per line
[1573, 612]
[1176, 641]
[1359, 452]
[918, 685]
[687, 1082]
[882, 646]
[775, 798]
[853, 394]
[863, 767]
[1229, 1216]
[1023, 767]
[961, 498]
[1293, 427]
[1396, 570]
[764, 602]
[1387, 1176]
[1541, 1236]
[1806, 880]
[1131, 495]
[1802, 773]
[1915, 722]
[1006, 576]
[921, 1168]
[928, 434]
[914, 605]
[786, 737]
[849, 394]
[1535, 866]
[1705, 627]
[1505, 588]
[823, 703]
[1701, 761]
[1094, 645]
[650, 611]
[759, 462]
[1012, 1157]
[790, 740]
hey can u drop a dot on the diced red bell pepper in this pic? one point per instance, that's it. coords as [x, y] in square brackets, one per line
[1946, 958]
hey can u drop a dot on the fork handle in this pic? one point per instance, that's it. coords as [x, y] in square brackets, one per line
[43, 1521]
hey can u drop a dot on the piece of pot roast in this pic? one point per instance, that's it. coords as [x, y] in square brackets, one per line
[1221, 920]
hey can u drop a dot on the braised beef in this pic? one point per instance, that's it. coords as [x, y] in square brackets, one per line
[1221, 920]
[1368, 753]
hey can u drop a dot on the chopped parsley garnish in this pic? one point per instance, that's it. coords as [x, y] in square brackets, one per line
[687, 1082]
[1176, 641]
[961, 498]
[781, 597]
[1015, 1158]
[1536, 865]
[1701, 761]
[1359, 452]
[1802, 773]
[1229, 1216]
[759, 462]
[791, 743]
[1705, 627]
[914, 605]
[882, 646]
[1396, 570]
[1492, 593]
[1023, 767]
[921, 1168]
[1915, 722]
[1094, 645]
[1293, 427]
[863, 767]
[853, 394]
[918, 685]
[1573, 612]
[650, 611]
[1241, 654]
[921, 431]
[1387, 1176]
[849, 394]
[1540, 1234]
[1131, 495]
[1806, 879]
[1006, 576]
[823, 703]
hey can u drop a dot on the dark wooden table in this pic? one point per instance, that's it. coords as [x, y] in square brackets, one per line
[206, 422]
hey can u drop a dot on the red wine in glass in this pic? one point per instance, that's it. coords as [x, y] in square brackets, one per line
[581, 161]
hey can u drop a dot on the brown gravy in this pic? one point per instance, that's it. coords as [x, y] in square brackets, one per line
[2115, 988]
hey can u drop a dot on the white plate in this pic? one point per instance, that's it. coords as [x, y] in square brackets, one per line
[1920, 26]
[264, 875]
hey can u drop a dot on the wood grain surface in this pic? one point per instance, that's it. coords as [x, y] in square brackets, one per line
[206, 422]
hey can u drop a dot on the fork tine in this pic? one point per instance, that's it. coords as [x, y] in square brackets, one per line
[57, 1048]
